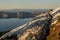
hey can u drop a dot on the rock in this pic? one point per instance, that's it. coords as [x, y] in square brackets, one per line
[30, 34]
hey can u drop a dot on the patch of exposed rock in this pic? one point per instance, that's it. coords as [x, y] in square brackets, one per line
[30, 34]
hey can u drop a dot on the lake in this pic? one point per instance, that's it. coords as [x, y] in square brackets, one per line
[9, 24]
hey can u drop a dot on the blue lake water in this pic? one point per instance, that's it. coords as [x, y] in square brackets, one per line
[8, 24]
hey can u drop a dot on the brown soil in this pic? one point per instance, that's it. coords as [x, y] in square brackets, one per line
[54, 32]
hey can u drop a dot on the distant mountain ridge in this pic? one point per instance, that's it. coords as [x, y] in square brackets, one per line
[25, 10]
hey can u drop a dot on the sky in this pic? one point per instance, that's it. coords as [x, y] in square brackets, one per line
[29, 4]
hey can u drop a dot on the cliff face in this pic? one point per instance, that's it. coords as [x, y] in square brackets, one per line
[54, 33]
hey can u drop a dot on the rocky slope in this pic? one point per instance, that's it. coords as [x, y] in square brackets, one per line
[38, 28]
[30, 34]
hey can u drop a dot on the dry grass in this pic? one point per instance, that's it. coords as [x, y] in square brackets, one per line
[54, 32]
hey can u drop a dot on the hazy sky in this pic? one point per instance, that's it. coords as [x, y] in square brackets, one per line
[29, 4]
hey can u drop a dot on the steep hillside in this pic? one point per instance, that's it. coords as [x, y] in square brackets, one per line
[38, 28]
